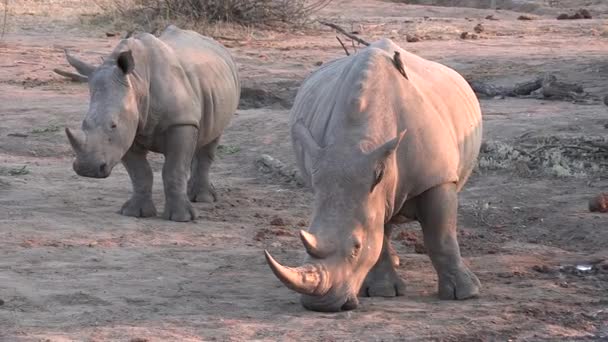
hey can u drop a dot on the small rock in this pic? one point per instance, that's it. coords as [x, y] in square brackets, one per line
[1, 302]
[491, 17]
[111, 34]
[257, 215]
[302, 223]
[478, 28]
[138, 339]
[18, 135]
[419, 248]
[599, 203]
[412, 38]
[525, 17]
[277, 221]
[319, 63]
[542, 268]
[563, 16]
[260, 235]
[464, 35]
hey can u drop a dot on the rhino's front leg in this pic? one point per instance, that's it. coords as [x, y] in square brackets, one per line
[140, 204]
[180, 142]
[437, 212]
[382, 280]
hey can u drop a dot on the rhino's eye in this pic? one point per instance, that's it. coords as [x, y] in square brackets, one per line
[377, 176]
[356, 249]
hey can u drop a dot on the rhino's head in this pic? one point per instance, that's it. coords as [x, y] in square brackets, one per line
[111, 122]
[351, 187]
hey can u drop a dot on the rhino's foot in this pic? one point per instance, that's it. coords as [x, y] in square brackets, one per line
[461, 284]
[138, 207]
[382, 282]
[179, 210]
[202, 195]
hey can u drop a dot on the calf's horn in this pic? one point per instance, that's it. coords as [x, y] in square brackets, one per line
[308, 279]
[76, 144]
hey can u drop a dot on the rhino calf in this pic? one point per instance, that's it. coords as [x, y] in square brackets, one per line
[348, 126]
[172, 95]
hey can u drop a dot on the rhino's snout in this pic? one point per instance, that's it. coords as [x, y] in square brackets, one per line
[92, 170]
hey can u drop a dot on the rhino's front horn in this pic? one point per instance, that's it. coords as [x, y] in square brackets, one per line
[74, 141]
[313, 248]
[308, 279]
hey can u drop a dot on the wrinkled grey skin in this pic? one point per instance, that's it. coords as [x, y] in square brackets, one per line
[349, 124]
[173, 95]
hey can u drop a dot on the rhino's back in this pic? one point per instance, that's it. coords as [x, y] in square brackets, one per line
[211, 73]
[365, 94]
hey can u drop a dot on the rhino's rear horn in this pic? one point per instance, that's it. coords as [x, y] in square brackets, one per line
[308, 279]
[74, 141]
[313, 246]
[82, 67]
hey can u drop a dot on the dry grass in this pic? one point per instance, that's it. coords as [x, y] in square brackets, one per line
[153, 14]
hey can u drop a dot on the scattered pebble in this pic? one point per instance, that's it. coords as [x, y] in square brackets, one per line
[319, 63]
[479, 28]
[491, 17]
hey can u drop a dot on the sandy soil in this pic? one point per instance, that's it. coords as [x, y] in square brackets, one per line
[72, 269]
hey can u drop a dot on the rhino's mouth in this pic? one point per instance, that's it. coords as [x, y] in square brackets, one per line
[330, 302]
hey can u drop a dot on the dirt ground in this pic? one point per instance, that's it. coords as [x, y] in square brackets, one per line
[72, 269]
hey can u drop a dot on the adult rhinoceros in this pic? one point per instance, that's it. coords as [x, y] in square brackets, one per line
[174, 95]
[348, 127]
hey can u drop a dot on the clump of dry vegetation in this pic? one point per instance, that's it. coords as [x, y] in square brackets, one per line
[196, 13]
[555, 156]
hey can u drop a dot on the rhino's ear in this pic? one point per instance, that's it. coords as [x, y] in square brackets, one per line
[125, 62]
[388, 147]
[302, 134]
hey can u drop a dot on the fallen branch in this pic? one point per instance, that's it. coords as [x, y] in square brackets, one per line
[341, 30]
[72, 76]
[546, 87]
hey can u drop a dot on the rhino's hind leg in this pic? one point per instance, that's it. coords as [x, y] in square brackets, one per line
[200, 188]
[179, 149]
[140, 204]
[437, 213]
[382, 280]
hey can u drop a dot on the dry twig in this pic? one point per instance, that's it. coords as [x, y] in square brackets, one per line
[341, 30]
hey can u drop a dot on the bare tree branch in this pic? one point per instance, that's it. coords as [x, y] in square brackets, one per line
[341, 30]
[344, 47]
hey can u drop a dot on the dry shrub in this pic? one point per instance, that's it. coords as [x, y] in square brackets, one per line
[555, 156]
[261, 13]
